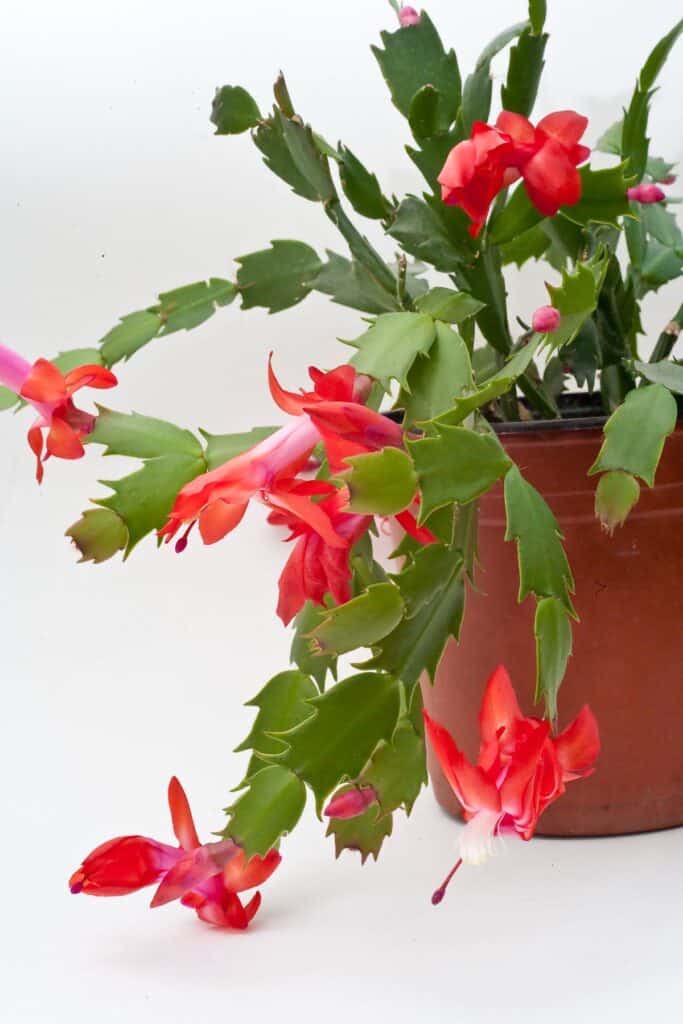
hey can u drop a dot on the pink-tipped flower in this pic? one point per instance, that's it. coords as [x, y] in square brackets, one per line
[351, 802]
[646, 194]
[546, 320]
[49, 391]
[206, 877]
[408, 16]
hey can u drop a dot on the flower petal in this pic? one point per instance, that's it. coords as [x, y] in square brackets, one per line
[239, 876]
[35, 440]
[551, 179]
[89, 376]
[289, 401]
[474, 791]
[518, 127]
[44, 383]
[578, 746]
[63, 441]
[218, 519]
[123, 865]
[181, 816]
[499, 707]
[565, 126]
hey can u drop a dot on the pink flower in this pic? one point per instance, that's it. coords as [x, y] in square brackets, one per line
[205, 877]
[351, 802]
[49, 391]
[521, 769]
[408, 16]
[646, 194]
[546, 320]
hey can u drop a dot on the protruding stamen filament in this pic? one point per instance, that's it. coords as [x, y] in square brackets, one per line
[439, 893]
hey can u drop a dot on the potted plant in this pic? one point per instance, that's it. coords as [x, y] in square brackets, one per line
[479, 447]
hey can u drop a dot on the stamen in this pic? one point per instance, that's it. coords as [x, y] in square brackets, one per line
[439, 893]
[181, 543]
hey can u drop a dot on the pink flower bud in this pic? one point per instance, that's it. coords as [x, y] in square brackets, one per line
[669, 180]
[408, 16]
[546, 319]
[351, 803]
[645, 194]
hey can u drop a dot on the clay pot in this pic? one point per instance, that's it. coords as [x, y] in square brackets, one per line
[627, 662]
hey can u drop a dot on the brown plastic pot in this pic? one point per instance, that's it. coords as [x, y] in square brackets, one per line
[627, 662]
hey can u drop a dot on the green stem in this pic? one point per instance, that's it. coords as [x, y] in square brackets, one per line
[360, 247]
[668, 338]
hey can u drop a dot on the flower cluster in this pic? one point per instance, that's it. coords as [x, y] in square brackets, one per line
[545, 157]
[333, 415]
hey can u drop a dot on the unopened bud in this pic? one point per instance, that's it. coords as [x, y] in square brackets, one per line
[408, 16]
[616, 494]
[546, 319]
[645, 194]
[351, 803]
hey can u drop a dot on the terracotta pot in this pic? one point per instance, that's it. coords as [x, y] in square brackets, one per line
[627, 662]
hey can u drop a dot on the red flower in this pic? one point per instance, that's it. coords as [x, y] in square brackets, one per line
[49, 391]
[475, 172]
[520, 770]
[217, 500]
[319, 563]
[205, 877]
[545, 156]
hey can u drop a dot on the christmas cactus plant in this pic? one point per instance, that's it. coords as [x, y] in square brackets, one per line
[404, 432]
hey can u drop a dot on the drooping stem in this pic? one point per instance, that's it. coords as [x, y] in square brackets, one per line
[668, 338]
[360, 247]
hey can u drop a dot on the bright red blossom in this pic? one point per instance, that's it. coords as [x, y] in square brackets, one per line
[49, 391]
[521, 769]
[205, 877]
[546, 157]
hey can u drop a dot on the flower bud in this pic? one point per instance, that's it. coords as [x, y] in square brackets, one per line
[645, 194]
[668, 180]
[546, 319]
[351, 802]
[616, 494]
[408, 16]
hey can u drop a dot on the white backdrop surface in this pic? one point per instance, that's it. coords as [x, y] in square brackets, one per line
[112, 188]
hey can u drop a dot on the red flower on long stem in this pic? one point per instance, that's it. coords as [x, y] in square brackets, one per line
[545, 156]
[520, 770]
[50, 392]
[206, 877]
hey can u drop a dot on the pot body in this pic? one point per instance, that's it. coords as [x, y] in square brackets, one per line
[628, 648]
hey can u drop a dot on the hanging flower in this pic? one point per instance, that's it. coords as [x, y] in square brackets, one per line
[546, 158]
[521, 769]
[49, 391]
[206, 877]
[331, 412]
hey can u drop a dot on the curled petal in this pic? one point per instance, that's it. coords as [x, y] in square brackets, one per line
[338, 385]
[578, 746]
[90, 376]
[551, 179]
[288, 401]
[240, 874]
[469, 783]
[63, 441]
[218, 519]
[35, 440]
[44, 384]
[123, 865]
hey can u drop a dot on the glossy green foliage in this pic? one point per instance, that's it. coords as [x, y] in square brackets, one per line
[234, 111]
[575, 298]
[312, 663]
[268, 808]
[363, 834]
[361, 187]
[553, 632]
[380, 483]
[350, 283]
[456, 465]
[98, 535]
[543, 566]
[361, 622]
[437, 379]
[635, 433]
[282, 704]
[278, 277]
[350, 719]
[390, 347]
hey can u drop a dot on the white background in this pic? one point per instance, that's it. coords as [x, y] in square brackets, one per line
[113, 188]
